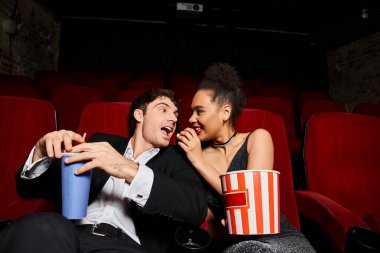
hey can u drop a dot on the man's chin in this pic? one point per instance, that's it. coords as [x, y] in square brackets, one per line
[163, 143]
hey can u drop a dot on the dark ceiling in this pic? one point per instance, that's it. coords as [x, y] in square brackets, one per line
[293, 16]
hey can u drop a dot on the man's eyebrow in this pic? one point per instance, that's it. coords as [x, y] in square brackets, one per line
[162, 103]
[166, 105]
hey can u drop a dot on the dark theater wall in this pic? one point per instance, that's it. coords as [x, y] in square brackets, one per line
[167, 47]
[354, 71]
[35, 45]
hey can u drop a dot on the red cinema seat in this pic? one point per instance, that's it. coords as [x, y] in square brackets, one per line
[128, 95]
[368, 108]
[16, 79]
[105, 117]
[310, 107]
[146, 84]
[341, 157]
[252, 119]
[312, 95]
[47, 84]
[278, 92]
[69, 101]
[22, 122]
[109, 88]
[19, 90]
[284, 108]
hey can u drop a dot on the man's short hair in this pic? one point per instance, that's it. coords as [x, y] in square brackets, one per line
[142, 102]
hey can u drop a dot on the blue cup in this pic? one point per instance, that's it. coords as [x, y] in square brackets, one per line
[75, 189]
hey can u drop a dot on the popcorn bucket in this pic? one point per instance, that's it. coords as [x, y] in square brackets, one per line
[252, 201]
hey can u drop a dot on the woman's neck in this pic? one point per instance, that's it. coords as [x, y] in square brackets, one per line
[225, 139]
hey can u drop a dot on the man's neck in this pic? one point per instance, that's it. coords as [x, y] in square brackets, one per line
[139, 145]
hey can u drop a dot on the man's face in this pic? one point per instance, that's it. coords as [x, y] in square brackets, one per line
[159, 122]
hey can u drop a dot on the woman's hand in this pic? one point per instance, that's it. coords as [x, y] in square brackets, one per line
[189, 141]
[103, 156]
[54, 143]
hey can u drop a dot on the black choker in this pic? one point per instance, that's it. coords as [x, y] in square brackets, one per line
[222, 145]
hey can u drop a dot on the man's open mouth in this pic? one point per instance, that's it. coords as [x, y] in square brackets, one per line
[167, 130]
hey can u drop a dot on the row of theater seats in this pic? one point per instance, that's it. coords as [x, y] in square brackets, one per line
[109, 84]
[340, 158]
[109, 117]
[63, 90]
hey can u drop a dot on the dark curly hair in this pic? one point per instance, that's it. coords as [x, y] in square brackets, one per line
[142, 102]
[222, 79]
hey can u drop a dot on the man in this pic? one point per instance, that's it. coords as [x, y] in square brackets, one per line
[141, 187]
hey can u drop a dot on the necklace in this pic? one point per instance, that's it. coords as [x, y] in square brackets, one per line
[222, 145]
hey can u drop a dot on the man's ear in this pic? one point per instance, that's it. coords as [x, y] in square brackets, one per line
[139, 115]
[226, 112]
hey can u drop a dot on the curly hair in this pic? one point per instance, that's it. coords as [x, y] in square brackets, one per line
[223, 80]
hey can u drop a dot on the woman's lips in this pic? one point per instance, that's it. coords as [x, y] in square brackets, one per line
[198, 130]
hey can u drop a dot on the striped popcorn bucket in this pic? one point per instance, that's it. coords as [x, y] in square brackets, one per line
[252, 201]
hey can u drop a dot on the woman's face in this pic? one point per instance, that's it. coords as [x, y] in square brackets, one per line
[207, 117]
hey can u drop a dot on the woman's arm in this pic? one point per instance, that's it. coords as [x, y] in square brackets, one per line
[260, 150]
[189, 141]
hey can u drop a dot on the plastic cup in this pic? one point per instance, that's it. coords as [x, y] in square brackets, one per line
[75, 189]
[252, 201]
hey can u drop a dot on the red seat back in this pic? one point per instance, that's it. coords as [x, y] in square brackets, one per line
[310, 107]
[146, 84]
[342, 160]
[16, 79]
[178, 78]
[252, 119]
[368, 108]
[47, 84]
[284, 108]
[128, 95]
[109, 88]
[278, 92]
[105, 117]
[19, 90]
[69, 101]
[22, 122]
[181, 89]
[312, 95]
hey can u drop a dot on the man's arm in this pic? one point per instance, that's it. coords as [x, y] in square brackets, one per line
[47, 185]
[44, 179]
[177, 192]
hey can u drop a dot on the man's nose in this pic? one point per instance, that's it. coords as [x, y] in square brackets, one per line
[173, 117]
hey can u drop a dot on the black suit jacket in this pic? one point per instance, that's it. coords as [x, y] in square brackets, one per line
[177, 195]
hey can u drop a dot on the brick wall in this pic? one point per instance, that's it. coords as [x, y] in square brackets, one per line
[36, 43]
[354, 71]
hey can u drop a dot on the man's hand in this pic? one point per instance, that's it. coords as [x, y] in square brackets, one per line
[54, 143]
[103, 156]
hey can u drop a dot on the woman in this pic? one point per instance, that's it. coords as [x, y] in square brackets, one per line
[214, 147]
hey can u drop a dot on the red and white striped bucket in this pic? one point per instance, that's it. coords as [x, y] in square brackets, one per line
[252, 201]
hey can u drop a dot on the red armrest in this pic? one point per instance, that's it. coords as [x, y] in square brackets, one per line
[21, 207]
[333, 218]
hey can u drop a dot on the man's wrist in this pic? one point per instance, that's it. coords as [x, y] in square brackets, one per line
[133, 167]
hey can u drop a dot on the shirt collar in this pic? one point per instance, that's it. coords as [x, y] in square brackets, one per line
[144, 157]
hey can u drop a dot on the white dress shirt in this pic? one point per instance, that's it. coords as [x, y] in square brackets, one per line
[112, 205]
